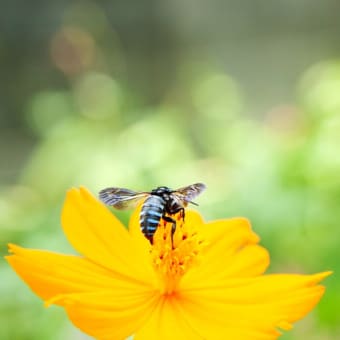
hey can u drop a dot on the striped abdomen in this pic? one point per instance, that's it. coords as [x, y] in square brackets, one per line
[151, 214]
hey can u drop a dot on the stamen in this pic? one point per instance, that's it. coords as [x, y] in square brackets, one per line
[174, 253]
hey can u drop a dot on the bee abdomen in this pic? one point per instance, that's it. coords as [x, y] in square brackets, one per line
[151, 214]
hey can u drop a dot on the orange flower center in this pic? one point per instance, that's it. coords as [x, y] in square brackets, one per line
[173, 254]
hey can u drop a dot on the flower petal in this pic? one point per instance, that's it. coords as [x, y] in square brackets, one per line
[50, 274]
[251, 308]
[231, 250]
[100, 236]
[227, 237]
[106, 315]
[194, 219]
[165, 323]
[214, 326]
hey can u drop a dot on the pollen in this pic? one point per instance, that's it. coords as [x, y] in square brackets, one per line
[174, 253]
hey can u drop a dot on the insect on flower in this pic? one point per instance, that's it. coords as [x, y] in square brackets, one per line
[211, 284]
[160, 203]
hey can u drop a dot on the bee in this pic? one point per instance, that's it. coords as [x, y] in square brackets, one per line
[160, 203]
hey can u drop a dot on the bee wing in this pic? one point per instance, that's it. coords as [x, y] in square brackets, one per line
[121, 198]
[190, 192]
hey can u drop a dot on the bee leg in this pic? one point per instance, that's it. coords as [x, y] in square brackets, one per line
[173, 227]
[182, 212]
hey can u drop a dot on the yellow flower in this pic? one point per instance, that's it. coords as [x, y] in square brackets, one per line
[206, 283]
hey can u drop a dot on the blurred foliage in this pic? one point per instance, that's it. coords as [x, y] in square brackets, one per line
[280, 168]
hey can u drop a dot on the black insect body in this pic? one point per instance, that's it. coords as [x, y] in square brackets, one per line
[151, 214]
[159, 204]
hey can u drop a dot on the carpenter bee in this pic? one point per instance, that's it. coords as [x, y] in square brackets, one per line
[161, 202]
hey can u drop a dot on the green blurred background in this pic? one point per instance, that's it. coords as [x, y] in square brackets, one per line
[241, 95]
